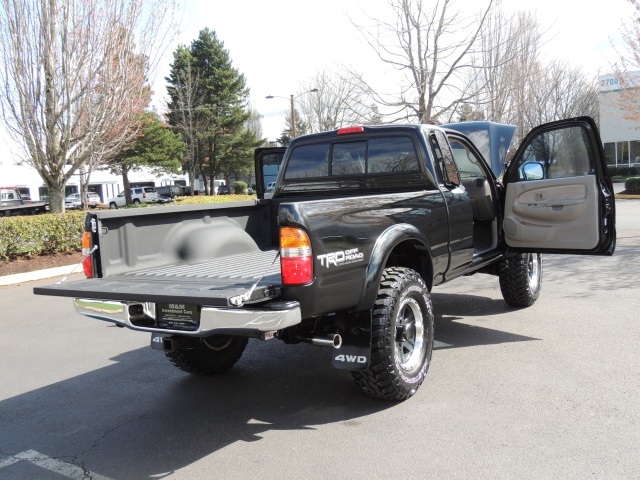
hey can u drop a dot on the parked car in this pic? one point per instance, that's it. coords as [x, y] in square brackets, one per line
[73, 201]
[138, 195]
[170, 191]
[224, 190]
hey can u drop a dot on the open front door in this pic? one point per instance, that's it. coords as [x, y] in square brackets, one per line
[559, 197]
[267, 166]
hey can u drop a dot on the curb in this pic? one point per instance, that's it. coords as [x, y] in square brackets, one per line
[39, 274]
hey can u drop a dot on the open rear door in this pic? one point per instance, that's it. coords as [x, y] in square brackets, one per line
[559, 197]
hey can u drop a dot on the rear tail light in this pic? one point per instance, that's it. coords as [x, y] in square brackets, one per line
[296, 260]
[144, 195]
[86, 252]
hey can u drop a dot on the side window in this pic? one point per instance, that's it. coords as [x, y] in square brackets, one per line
[558, 153]
[392, 154]
[444, 158]
[308, 161]
[469, 165]
[349, 158]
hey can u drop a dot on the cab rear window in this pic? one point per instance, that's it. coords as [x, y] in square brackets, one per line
[391, 154]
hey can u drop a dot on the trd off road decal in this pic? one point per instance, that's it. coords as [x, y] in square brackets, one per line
[341, 257]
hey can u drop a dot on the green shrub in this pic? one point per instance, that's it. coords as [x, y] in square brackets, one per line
[622, 171]
[239, 187]
[40, 234]
[632, 184]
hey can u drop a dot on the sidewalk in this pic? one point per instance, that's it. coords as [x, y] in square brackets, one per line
[39, 274]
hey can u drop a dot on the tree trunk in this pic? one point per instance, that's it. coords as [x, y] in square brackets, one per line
[212, 183]
[56, 197]
[84, 186]
[126, 184]
[192, 181]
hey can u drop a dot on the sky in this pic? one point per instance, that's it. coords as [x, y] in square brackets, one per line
[279, 44]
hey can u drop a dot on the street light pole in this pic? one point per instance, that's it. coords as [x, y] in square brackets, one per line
[293, 110]
[293, 118]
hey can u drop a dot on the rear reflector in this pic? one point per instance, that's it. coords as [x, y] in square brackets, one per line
[347, 130]
[86, 252]
[296, 260]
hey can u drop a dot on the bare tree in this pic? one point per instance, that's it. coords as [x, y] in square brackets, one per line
[517, 87]
[627, 99]
[558, 91]
[338, 102]
[505, 65]
[431, 44]
[74, 78]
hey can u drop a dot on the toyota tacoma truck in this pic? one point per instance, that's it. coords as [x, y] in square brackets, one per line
[362, 224]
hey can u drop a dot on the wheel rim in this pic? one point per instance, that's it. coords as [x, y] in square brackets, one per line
[216, 343]
[409, 341]
[533, 266]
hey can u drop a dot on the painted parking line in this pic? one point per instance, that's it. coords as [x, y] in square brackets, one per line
[7, 461]
[65, 469]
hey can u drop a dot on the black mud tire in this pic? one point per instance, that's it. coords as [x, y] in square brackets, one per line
[113, 206]
[401, 337]
[135, 201]
[521, 279]
[208, 356]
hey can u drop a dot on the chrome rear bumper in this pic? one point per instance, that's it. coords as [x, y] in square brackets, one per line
[141, 316]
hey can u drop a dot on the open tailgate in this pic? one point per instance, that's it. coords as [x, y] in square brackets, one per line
[218, 283]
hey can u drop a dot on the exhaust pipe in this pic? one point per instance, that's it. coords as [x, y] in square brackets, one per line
[332, 340]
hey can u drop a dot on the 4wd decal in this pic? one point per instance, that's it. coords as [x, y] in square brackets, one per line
[341, 257]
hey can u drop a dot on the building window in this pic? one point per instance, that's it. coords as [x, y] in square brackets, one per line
[622, 149]
[610, 153]
[635, 151]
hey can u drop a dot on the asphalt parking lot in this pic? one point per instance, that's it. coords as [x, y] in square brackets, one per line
[551, 391]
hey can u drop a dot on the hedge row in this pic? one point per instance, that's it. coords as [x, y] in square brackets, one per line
[622, 171]
[632, 184]
[28, 235]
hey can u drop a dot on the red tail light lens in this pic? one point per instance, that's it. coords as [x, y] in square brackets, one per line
[86, 249]
[348, 130]
[296, 260]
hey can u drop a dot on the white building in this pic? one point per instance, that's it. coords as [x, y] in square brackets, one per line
[620, 136]
[102, 182]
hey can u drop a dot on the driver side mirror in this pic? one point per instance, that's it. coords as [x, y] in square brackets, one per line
[532, 171]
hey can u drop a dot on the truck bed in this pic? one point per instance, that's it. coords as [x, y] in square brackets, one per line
[217, 283]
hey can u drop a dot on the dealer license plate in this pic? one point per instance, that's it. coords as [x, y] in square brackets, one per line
[178, 316]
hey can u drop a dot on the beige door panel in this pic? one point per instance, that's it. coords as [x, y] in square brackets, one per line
[552, 213]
